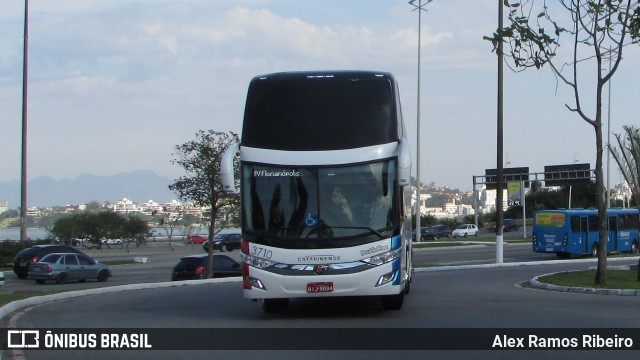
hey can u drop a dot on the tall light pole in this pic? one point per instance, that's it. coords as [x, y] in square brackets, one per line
[500, 121]
[23, 176]
[609, 135]
[420, 8]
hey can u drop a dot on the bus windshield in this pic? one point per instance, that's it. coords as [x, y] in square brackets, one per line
[316, 204]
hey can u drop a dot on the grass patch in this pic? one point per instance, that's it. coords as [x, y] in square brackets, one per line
[616, 279]
[7, 298]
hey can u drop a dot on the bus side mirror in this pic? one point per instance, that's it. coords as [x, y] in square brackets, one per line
[226, 168]
[404, 163]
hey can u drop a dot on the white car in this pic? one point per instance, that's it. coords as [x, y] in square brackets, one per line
[1, 278]
[111, 241]
[465, 230]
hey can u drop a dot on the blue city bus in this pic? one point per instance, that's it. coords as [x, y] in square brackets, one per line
[568, 232]
[324, 187]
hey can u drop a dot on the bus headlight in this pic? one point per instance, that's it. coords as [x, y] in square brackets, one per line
[382, 258]
[257, 262]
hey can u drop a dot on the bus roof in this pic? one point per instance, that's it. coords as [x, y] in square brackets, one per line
[323, 74]
[321, 110]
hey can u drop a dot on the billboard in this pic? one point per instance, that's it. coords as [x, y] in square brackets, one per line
[572, 174]
[515, 193]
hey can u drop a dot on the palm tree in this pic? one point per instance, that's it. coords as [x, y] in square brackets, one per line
[628, 158]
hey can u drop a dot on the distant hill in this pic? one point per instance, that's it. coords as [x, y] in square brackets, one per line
[139, 186]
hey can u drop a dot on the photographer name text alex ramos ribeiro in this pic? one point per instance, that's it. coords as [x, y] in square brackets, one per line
[585, 342]
[68, 340]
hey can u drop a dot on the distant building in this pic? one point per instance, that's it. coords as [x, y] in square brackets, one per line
[487, 200]
[4, 206]
[449, 210]
[123, 206]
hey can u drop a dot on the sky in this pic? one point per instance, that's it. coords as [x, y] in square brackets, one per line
[114, 85]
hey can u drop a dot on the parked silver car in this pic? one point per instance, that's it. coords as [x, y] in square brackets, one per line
[62, 267]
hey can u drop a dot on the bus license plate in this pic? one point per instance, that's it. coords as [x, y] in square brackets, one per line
[320, 287]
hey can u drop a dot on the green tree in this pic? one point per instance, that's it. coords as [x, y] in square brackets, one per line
[11, 213]
[68, 228]
[627, 155]
[135, 229]
[452, 223]
[104, 225]
[98, 226]
[593, 27]
[93, 206]
[200, 159]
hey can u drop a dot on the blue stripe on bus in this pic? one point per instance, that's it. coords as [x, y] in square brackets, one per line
[396, 242]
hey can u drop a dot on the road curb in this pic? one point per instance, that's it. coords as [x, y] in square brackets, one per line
[38, 300]
[535, 282]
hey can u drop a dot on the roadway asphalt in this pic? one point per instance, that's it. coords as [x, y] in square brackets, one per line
[160, 254]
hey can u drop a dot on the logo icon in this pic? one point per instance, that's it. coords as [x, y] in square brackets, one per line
[319, 269]
[18, 339]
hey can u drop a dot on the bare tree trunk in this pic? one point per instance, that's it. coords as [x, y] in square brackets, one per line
[212, 226]
[601, 271]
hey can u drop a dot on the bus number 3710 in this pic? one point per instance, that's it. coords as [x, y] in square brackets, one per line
[261, 252]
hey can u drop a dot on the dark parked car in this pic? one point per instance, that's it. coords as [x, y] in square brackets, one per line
[195, 267]
[507, 225]
[62, 267]
[437, 231]
[423, 232]
[224, 242]
[34, 254]
[432, 232]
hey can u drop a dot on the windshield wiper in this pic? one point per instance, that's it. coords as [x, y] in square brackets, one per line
[371, 230]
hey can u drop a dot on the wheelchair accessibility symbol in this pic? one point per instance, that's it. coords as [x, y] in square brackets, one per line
[311, 219]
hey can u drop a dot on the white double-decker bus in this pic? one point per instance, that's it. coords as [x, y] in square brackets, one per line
[325, 188]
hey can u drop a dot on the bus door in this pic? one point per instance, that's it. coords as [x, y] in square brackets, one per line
[584, 234]
[612, 234]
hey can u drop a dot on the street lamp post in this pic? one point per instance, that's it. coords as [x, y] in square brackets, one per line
[23, 176]
[609, 136]
[420, 8]
[499, 150]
